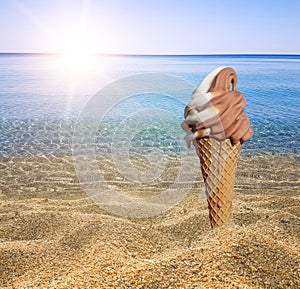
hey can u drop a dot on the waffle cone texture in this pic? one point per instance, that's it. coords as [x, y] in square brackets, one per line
[218, 161]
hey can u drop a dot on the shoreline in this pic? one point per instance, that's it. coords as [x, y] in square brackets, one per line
[33, 174]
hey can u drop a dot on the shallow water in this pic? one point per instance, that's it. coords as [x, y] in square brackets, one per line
[41, 97]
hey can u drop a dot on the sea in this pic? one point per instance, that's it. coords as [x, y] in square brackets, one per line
[139, 99]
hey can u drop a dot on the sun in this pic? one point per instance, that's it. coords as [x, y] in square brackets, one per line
[78, 54]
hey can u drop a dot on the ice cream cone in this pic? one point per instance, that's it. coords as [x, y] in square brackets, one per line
[218, 165]
[216, 122]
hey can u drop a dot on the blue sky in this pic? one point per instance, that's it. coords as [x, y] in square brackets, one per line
[150, 26]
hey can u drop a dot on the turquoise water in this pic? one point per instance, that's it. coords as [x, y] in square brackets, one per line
[41, 97]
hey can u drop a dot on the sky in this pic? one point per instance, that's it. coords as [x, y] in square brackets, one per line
[150, 26]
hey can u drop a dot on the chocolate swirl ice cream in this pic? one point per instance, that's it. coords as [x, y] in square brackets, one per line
[217, 109]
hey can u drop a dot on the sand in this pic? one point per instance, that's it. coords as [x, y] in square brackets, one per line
[53, 235]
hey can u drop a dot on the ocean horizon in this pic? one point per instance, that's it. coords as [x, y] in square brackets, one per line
[158, 54]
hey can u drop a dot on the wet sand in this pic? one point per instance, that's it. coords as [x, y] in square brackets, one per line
[53, 235]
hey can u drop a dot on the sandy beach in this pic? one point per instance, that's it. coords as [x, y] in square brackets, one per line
[53, 235]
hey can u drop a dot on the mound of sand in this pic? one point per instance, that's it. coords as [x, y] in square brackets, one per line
[53, 235]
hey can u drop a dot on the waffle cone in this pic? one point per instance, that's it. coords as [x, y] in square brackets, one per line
[218, 165]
